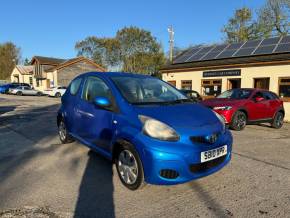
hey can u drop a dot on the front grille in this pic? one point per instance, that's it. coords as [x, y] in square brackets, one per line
[202, 167]
[204, 139]
[169, 174]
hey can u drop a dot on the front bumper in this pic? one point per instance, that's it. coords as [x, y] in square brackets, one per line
[226, 114]
[182, 158]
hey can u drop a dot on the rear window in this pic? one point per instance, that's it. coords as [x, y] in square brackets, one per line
[75, 85]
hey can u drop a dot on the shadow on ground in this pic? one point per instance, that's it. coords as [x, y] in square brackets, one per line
[29, 135]
[96, 189]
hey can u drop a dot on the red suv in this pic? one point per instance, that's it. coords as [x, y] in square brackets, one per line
[241, 106]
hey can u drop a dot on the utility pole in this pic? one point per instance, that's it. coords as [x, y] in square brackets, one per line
[171, 41]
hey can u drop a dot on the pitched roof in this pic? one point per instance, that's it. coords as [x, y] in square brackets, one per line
[47, 60]
[75, 60]
[251, 51]
[25, 69]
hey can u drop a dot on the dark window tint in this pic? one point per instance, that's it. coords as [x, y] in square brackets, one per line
[75, 85]
[268, 96]
[95, 87]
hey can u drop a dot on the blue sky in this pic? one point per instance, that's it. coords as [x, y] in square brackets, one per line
[51, 28]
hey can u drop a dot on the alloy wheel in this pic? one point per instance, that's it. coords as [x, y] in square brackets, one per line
[62, 131]
[128, 167]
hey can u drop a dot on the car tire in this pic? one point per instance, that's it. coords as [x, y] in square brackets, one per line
[57, 95]
[129, 167]
[19, 93]
[64, 135]
[38, 93]
[239, 121]
[277, 122]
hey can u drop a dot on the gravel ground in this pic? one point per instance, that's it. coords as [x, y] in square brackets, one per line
[39, 177]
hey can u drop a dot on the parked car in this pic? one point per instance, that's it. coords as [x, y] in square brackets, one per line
[5, 89]
[151, 131]
[55, 91]
[24, 90]
[191, 94]
[241, 106]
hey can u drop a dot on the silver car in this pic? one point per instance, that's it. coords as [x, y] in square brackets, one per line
[24, 90]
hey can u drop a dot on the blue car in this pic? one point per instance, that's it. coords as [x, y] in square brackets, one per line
[152, 132]
[4, 88]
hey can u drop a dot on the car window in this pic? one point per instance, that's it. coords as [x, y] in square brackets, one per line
[258, 95]
[95, 87]
[26, 88]
[268, 96]
[75, 85]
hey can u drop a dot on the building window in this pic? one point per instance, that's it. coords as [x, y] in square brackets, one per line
[172, 82]
[262, 83]
[284, 88]
[211, 87]
[30, 80]
[37, 82]
[186, 84]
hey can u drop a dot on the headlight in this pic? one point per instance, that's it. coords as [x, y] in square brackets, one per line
[223, 108]
[221, 120]
[157, 129]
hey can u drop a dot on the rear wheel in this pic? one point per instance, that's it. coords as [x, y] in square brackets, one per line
[129, 167]
[277, 122]
[38, 93]
[63, 133]
[239, 121]
[58, 95]
[19, 93]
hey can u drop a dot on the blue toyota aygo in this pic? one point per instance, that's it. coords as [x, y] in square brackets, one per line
[151, 131]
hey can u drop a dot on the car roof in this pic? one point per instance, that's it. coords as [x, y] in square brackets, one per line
[114, 74]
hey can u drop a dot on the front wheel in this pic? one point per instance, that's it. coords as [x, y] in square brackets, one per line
[239, 121]
[57, 95]
[129, 167]
[63, 133]
[19, 93]
[277, 122]
[38, 93]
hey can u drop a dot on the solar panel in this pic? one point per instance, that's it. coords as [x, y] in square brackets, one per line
[285, 39]
[251, 43]
[226, 54]
[244, 52]
[210, 55]
[200, 54]
[219, 48]
[182, 58]
[195, 57]
[270, 41]
[205, 50]
[235, 46]
[283, 48]
[268, 49]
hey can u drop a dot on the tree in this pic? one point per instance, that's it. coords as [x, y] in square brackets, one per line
[240, 27]
[9, 57]
[26, 62]
[274, 18]
[131, 50]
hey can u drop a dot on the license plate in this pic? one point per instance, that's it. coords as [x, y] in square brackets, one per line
[213, 154]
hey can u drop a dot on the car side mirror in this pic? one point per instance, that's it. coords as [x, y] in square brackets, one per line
[258, 99]
[102, 102]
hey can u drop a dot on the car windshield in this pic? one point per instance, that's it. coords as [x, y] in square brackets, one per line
[236, 94]
[146, 90]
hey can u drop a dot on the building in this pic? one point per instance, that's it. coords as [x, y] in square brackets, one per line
[46, 72]
[213, 69]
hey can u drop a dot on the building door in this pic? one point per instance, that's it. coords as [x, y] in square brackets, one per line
[262, 83]
[234, 83]
[172, 82]
[48, 83]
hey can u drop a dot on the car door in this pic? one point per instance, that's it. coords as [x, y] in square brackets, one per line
[258, 109]
[69, 104]
[274, 104]
[95, 125]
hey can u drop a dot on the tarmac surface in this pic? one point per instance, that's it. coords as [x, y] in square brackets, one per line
[40, 177]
